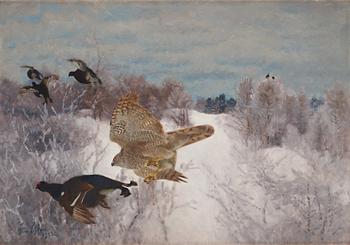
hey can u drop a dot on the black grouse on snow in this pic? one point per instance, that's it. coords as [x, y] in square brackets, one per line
[82, 192]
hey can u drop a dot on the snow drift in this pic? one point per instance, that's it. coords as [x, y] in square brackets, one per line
[234, 193]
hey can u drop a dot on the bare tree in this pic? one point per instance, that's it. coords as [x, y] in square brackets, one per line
[180, 101]
[290, 108]
[245, 93]
[303, 112]
[338, 104]
[260, 114]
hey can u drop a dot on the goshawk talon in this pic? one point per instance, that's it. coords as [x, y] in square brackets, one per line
[151, 177]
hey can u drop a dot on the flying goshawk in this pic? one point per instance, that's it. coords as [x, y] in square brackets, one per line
[145, 146]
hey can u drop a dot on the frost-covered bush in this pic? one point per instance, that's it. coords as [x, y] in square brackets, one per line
[33, 217]
[296, 192]
[265, 111]
[73, 97]
[29, 216]
[279, 195]
[329, 128]
[54, 143]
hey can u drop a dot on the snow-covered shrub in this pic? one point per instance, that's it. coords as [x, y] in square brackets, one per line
[264, 112]
[179, 103]
[260, 112]
[329, 128]
[277, 195]
[245, 93]
[338, 108]
[60, 140]
[298, 192]
[30, 216]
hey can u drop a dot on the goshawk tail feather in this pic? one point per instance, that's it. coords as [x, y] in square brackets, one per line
[182, 137]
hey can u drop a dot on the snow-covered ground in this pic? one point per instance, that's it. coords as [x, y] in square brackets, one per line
[212, 155]
[209, 165]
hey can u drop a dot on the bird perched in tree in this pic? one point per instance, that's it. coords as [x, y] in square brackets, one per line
[82, 192]
[41, 89]
[268, 76]
[145, 146]
[84, 74]
[33, 74]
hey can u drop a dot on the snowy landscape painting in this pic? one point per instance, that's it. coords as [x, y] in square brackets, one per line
[175, 122]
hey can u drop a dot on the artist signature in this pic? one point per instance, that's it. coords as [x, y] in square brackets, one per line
[35, 230]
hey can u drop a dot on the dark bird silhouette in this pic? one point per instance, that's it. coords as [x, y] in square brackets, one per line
[90, 75]
[267, 76]
[33, 73]
[80, 76]
[41, 89]
[82, 192]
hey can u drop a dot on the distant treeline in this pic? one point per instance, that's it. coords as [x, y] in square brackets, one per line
[222, 104]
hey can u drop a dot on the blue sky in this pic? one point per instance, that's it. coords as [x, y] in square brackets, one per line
[210, 47]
